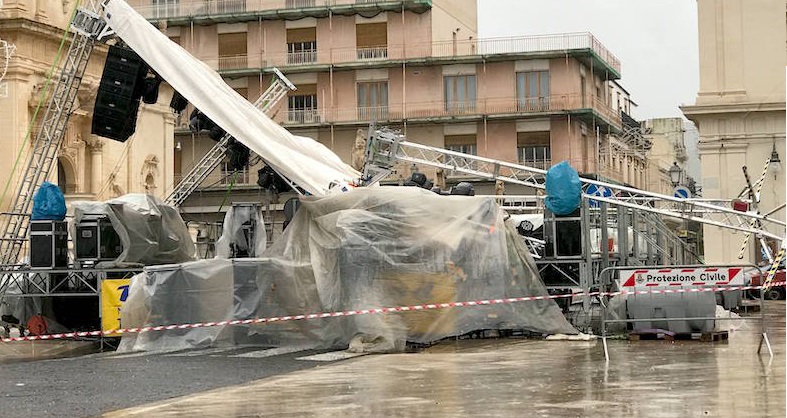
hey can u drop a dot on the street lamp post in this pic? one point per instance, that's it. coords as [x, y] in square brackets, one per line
[675, 176]
[774, 164]
[675, 173]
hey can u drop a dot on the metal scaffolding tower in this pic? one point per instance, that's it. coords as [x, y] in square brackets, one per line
[267, 100]
[87, 27]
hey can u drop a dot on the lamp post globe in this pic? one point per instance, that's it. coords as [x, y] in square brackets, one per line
[675, 174]
[774, 164]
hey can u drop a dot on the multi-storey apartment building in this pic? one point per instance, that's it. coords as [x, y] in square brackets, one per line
[623, 154]
[414, 64]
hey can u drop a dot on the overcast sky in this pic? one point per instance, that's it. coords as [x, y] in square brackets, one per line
[655, 41]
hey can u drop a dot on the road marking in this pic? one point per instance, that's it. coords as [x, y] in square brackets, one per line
[132, 354]
[332, 356]
[202, 352]
[269, 352]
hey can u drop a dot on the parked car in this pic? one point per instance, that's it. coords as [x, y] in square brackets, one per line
[756, 277]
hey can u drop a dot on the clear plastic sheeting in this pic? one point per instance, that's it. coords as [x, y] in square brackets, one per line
[243, 232]
[368, 248]
[151, 231]
[199, 291]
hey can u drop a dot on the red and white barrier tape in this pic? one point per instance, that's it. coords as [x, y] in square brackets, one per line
[372, 311]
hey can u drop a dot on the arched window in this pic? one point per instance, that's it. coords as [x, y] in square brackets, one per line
[61, 177]
[66, 177]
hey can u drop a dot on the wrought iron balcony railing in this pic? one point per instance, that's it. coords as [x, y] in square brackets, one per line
[373, 53]
[233, 62]
[442, 49]
[425, 110]
[303, 116]
[543, 164]
[302, 57]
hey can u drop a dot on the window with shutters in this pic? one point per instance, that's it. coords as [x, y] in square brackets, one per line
[532, 91]
[243, 91]
[301, 46]
[460, 93]
[230, 6]
[465, 144]
[164, 8]
[533, 149]
[302, 106]
[373, 100]
[371, 40]
[232, 51]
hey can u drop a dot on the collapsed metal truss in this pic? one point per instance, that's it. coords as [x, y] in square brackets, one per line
[267, 100]
[636, 218]
[386, 147]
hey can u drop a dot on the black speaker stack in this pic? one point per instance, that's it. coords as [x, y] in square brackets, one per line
[48, 244]
[117, 100]
[96, 239]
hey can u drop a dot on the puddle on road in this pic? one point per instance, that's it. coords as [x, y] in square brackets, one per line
[509, 377]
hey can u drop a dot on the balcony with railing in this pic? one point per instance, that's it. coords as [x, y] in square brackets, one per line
[233, 62]
[372, 53]
[578, 44]
[543, 163]
[303, 116]
[370, 113]
[533, 104]
[590, 108]
[184, 11]
[308, 56]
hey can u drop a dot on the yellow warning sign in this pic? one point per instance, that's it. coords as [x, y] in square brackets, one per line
[113, 293]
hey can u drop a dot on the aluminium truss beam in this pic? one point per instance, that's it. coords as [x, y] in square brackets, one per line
[267, 100]
[386, 147]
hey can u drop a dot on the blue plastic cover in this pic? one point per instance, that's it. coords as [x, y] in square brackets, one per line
[49, 204]
[564, 190]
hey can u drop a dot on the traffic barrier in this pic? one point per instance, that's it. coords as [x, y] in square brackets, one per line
[678, 279]
[370, 311]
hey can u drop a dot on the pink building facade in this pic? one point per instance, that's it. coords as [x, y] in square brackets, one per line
[417, 65]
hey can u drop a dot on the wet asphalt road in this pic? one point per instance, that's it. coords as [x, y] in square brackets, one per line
[506, 377]
[93, 384]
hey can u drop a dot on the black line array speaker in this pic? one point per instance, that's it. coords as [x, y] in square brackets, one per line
[117, 99]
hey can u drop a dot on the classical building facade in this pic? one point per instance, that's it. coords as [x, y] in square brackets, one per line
[665, 136]
[88, 167]
[740, 108]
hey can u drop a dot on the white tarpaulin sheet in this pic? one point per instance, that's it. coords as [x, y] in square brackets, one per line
[306, 162]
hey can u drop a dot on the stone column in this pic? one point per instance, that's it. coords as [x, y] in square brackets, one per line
[96, 165]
